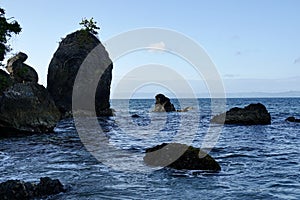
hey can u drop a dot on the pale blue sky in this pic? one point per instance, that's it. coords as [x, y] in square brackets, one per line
[255, 44]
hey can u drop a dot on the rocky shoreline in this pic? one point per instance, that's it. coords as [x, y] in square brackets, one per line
[27, 107]
[20, 93]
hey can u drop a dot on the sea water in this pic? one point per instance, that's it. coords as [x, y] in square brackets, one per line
[258, 162]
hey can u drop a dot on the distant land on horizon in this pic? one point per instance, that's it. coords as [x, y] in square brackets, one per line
[233, 88]
[287, 94]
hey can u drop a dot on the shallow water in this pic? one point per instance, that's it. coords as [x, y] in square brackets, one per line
[258, 162]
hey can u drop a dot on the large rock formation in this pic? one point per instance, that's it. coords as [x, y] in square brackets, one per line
[20, 190]
[27, 108]
[180, 156]
[5, 81]
[163, 104]
[19, 71]
[64, 66]
[253, 114]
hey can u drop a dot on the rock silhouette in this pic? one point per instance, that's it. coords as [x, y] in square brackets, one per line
[180, 156]
[163, 104]
[20, 190]
[27, 108]
[64, 66]
[292, 119]
[19, 71]
[253, 114]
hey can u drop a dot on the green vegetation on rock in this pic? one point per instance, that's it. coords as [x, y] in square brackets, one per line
[90, 25]
[7, 28]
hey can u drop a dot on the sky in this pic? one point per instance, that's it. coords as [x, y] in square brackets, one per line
[254, 44]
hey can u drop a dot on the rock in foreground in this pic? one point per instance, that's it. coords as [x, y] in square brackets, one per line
[253, 114]
[180, 156]
[19, 190]
[163, 104]
[27, 108]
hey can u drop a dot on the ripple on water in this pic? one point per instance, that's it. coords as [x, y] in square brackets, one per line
[258, 162]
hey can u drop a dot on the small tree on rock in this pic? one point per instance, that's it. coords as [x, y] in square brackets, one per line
[90, 25]
[7, 28]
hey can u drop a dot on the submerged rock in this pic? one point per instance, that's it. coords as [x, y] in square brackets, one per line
[292, 119]
[27, 108]
[64, 66]
[180, 156]
[20, 190]
[253, 114]
[163, 104]
[135, 116]
[19, 71]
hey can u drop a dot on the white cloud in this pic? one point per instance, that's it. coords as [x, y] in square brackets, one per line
[159, 46]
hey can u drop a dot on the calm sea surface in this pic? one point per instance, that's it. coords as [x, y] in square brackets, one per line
[258, 162]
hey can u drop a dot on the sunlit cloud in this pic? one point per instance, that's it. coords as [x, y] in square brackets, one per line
[160, 46]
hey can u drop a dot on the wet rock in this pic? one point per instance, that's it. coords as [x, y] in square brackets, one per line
[185, 109]
[5, 81]
[20, 190]
[27, 108]
[135, 116]
[64, 66]
[253, 114]
[180, 156]
[163, 104]
[19, 71]
[47, 186]
[292, 119]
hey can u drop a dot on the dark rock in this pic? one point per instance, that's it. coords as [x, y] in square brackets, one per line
[135, 116]
[253, 114]
[64, 67]
[163, 104]
[14, 190]
[27, 108]
[19, 71]
[20, 190]
[180, 156]
[5, 81]
[292, 119]
[47, 186]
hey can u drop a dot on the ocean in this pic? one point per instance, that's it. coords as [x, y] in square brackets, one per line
[258, 162]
